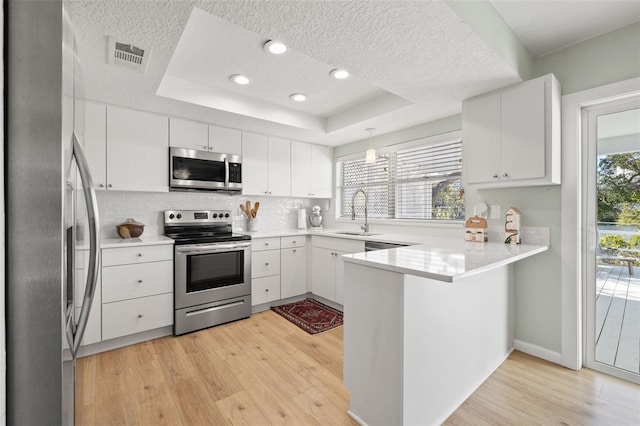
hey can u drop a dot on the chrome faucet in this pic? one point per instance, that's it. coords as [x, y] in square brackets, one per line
[364, 227]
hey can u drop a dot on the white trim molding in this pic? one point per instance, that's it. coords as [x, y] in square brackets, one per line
[537, 351]
[571, 216]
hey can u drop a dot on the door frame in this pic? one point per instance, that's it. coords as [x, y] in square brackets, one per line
[589, 117]
[572, 230]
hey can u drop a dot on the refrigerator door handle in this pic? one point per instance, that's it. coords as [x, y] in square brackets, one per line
[94, 247]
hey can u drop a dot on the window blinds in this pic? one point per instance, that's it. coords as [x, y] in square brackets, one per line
[417, 182]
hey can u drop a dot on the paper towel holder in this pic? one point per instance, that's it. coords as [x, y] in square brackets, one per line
[302, 218]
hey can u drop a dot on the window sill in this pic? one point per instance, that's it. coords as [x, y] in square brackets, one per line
[408, 222]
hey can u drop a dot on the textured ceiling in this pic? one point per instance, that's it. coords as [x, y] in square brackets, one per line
[418, 51]
[546, 26]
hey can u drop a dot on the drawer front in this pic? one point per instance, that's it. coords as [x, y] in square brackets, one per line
[342, 244]
[266, 289]
[289, 242]
[265, 263]
[260, 244]
[136, 315]
[131, 281]
[128, 255]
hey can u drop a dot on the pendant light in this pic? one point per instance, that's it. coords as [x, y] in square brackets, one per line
[371, 153]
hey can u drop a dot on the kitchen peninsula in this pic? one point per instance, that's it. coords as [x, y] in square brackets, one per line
[425, 326]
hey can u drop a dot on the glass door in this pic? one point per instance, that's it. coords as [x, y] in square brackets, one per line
[612, 255]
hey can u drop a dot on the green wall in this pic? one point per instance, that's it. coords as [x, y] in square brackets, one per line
[602, 60]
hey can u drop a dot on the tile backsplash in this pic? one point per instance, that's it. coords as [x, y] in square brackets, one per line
[148, 207]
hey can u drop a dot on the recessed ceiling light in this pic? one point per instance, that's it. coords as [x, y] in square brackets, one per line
[340, 74]
[240, 79]
[298, 97]
[275, 47]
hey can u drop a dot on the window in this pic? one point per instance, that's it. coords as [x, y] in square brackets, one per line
[419, 180]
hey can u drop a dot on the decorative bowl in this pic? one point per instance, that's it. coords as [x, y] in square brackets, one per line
[130, 229]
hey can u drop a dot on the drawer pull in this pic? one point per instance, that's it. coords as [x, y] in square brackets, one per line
[139, 315]
[139, 254]
[266, 244]
[294, 250]
[267, 290]
[294, 242]
[505, 175]
[266, 263]
[139, 281]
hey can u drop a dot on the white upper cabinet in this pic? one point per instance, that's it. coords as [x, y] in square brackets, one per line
[254, 164]
[95, 142]
[225, 140]
[311, 168]
[188, 134]
[204, 137]
[321, 171]
[279, 166]
[266, 165]
[137, 150]
[511, 137]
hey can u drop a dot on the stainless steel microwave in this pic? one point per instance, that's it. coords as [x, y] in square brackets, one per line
[193, 170]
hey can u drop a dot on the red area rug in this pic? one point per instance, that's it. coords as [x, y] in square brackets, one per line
[310, 315]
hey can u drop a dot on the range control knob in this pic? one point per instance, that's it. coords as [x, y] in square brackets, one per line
[226, 215]
[179, 216]
[215, 215]
[171, 216]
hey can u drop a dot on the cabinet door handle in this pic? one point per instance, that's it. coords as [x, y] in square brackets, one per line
[495, 176]
[109, 186]
[266, 263]
[101, 185]
[139, 315]
[205, 147]
[139, 281]
[505, 175]
[294, 250]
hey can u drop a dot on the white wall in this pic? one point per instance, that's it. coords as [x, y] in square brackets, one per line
[539, 306]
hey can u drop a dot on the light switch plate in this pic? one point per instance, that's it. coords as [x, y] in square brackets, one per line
[495, 212]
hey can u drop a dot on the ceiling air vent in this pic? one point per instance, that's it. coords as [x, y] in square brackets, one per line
[127, 55]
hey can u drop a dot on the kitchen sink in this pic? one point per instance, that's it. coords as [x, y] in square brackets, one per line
[360, 234]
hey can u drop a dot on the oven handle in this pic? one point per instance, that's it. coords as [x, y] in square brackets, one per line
[211, 248]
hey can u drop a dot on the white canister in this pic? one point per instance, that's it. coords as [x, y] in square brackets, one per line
[302, 218]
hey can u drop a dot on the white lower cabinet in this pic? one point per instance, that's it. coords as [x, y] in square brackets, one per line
[93, 332]
[293, 267]
[278, 268]
[137, 289]
[136, 315]
[327, 267]
[265, 289]
[265, 270]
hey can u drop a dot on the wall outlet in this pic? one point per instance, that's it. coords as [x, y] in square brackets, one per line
[495, 212]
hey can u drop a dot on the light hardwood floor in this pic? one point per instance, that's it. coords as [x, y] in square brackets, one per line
[265, 370]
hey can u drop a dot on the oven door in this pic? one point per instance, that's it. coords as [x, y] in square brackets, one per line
[207, 273]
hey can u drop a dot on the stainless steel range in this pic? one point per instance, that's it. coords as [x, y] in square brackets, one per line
[212, 270]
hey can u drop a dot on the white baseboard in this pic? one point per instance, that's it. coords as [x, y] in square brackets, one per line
[121, 342]
[538, 351]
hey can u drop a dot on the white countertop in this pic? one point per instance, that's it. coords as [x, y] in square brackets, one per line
[445, 259]
[334, 233]
[133, 242]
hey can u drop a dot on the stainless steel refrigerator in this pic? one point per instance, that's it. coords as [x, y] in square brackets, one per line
[51, 214]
